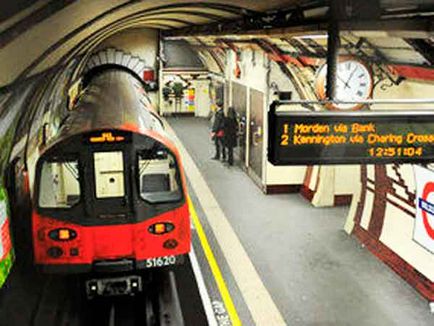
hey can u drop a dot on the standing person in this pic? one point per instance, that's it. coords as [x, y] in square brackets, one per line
[217, 132]
[230, 133]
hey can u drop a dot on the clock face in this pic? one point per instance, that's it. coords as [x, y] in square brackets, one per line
[353, 83]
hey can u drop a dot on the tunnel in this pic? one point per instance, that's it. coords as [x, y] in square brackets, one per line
[217, 162]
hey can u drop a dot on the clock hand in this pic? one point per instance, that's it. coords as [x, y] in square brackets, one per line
[351, 76]
[341, 79]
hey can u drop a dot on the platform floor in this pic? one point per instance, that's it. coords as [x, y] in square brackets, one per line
[313, 271]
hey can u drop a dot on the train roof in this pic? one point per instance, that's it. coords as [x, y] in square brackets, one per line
[113, 99]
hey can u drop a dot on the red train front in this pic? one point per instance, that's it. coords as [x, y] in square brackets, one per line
[109, 191]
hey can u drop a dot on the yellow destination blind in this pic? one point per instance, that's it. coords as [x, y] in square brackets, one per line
[297, 138]
[107, 136]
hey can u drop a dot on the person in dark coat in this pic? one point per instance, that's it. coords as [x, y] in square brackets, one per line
[217, 132]
[230, 134]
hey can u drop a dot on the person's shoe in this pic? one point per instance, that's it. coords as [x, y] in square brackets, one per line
[215, 158]
[223, 159]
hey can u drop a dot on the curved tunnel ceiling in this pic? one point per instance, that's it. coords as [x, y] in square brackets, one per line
[51, 32]
[45, 37]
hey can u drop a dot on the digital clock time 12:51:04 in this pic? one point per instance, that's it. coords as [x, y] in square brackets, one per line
[395, 151]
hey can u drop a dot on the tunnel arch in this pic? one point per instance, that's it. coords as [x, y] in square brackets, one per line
[113, 57]
[95, 71]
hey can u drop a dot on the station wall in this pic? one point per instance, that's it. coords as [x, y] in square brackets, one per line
[382, 217]
[259, 73]
[210, 59]
[407, 89]
[382, 211]
[382, 214]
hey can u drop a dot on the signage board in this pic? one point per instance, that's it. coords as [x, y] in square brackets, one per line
[300, 138]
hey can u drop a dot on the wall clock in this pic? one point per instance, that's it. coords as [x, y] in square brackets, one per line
[354, 82]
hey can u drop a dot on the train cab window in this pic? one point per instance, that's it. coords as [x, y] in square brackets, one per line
[158, 177]
[59, 184]
[109, 174]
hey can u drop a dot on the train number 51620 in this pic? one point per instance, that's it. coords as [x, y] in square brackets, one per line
[160, 261]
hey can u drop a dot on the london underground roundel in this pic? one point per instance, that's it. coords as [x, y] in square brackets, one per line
[427, 209]
[424, 221]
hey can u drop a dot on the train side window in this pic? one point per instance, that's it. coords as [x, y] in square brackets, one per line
[109, 174]
[59, 184]
[158, 177]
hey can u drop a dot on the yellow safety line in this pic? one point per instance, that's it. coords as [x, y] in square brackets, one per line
[215, 269]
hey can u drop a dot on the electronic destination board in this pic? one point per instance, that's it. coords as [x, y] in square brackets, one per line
[299, 138]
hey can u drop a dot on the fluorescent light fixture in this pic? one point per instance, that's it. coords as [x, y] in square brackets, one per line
[312, 36]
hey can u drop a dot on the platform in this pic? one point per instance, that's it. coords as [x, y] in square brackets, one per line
[301, 267]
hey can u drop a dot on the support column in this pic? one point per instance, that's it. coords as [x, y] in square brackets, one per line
[333, 44]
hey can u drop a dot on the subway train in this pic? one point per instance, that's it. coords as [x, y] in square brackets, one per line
[108, 191]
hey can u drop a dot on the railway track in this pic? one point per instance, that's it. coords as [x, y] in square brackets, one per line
[62, 303]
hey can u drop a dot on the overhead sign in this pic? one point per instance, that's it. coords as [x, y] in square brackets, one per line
[424, 222]
[300, 138]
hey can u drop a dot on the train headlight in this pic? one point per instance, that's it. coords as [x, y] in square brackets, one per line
[62, 234]
[161, 228]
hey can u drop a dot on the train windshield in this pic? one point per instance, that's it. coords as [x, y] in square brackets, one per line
[59, 185]
[159, 179]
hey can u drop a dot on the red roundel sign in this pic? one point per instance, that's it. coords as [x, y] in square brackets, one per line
[424, 222]
[427, 208]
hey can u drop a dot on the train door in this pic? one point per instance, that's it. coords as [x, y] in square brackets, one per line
[112, 192]
[112, 203]
[239, 102]
[256, 122]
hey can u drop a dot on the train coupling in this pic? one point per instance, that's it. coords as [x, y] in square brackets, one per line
[117, 286]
